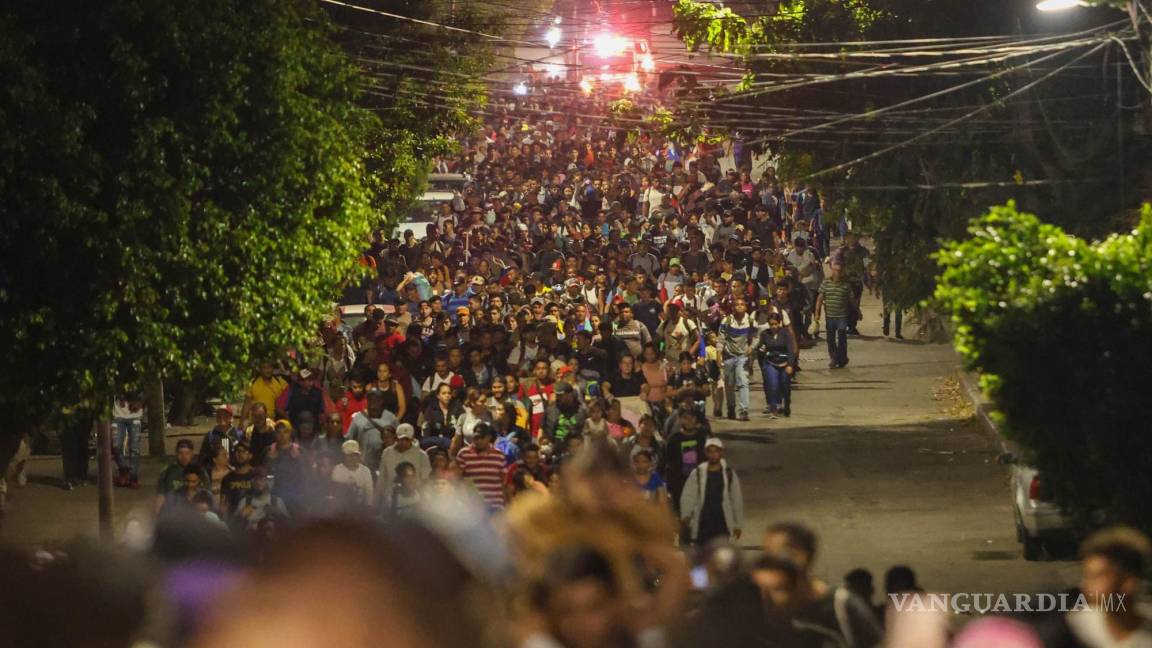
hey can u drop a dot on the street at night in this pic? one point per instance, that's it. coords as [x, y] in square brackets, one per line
[576, 323]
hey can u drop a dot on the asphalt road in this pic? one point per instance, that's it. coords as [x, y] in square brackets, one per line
[871, 459]
[886, 472]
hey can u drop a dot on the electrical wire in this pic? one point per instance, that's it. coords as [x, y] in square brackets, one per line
[953, 122]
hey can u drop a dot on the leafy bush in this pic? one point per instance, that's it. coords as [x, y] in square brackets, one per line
[1061, 331]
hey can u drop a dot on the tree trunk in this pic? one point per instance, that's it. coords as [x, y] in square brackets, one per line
[154, 411]
[185, 398]
[104, 470]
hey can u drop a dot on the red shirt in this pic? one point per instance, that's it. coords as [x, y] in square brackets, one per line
[538, 397]
[486, 470]
[349, 405]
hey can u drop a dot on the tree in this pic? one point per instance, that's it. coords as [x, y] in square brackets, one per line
[1064, 144]
[184, 188]
[1061, 331]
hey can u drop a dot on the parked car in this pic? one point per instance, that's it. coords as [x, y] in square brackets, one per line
[1038, 519]
[444, 186]
[353, 314]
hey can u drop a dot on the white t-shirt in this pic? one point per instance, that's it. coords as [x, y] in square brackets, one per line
[807, 265]
[360, 480]
[1090, 627]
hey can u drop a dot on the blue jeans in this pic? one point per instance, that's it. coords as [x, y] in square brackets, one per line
[736, 384]
[777, 386]
[837, 332]
[127, 459]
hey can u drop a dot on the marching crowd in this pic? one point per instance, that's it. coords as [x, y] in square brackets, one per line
[580, 289]
[548, 357]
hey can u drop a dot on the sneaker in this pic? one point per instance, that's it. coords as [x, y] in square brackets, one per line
[68, 486]
[833, 365]
[767, 410]
[899, 337]
[743, 417]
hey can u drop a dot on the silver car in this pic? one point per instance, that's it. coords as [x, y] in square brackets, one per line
[1038, 520]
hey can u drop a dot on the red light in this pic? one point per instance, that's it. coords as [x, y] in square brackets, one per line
[609, 44]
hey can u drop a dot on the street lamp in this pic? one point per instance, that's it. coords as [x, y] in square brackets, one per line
[1058, 5]
[552, 36]
[520, 89]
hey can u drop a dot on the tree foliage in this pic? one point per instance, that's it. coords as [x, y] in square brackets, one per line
[184, 187]
[1055, 146]
[1061, 330]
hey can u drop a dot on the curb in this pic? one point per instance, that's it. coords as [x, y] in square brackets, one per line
[982, 408]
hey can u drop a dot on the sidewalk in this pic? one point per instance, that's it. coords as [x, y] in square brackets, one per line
[43, 512]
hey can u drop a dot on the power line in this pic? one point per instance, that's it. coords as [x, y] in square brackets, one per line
[965, 117]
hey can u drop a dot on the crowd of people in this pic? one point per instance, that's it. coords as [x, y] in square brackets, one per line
[533, 388]
[581, 288]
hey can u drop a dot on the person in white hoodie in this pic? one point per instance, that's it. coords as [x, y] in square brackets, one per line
[712, 504]
[355, 475]
[405, 450]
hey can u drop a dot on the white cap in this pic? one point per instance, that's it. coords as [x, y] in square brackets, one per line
[350, 447]
[713, 442]
[405, 431]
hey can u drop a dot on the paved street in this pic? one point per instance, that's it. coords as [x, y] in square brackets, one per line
[869, 457]
[885, 473]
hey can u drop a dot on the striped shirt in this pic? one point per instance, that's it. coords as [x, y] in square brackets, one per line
[735, 334]
[486, 470]
[837, 297]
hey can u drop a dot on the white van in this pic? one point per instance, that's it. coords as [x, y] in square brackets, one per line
[443, 187]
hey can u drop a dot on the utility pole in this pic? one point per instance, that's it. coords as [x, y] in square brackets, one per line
[104, 471]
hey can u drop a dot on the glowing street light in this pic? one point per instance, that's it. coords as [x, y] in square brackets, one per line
[609, 44]
[646, 63]
[520, 89]
[632, 83]
[552, 36]
[586, 86]
[1058, 5]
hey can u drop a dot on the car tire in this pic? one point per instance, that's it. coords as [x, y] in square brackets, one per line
[1033, 546]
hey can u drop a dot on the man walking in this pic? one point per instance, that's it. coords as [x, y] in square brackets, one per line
[712, 504]
[482, 463]
[737, 332]
[854, 259]
[837, 303]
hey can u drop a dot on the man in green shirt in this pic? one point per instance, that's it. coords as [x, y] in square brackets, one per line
[838, 303]
[172, 479]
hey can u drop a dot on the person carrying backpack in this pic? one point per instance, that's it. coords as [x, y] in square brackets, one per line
[712, 504]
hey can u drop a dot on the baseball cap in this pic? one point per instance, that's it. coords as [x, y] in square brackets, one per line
[674, 261]
[562, 387]
[305, 374]
[405, 431]
[463, 310]
[713, 442]
[226, 408]
[350, 447]
[184, 443]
